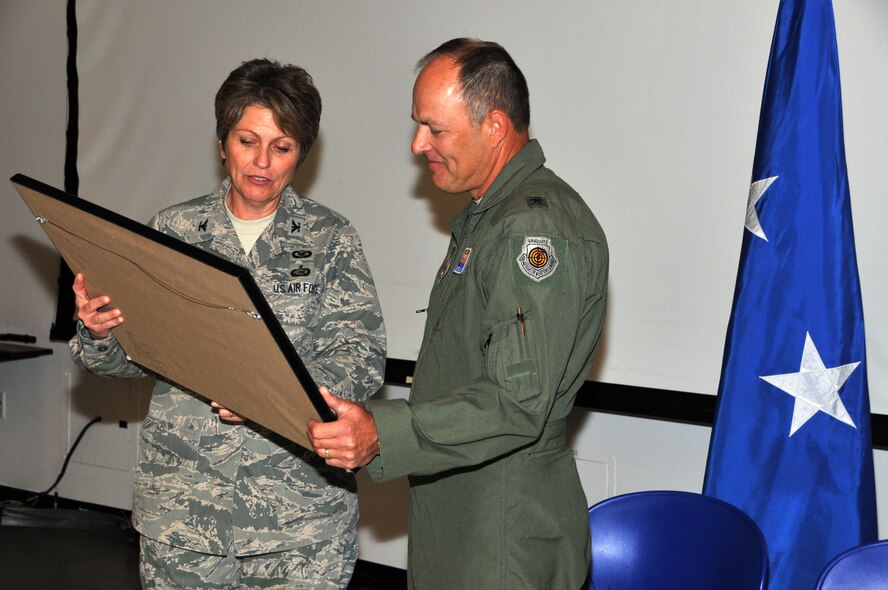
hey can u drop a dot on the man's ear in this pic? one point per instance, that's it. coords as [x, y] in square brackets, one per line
[498, 125]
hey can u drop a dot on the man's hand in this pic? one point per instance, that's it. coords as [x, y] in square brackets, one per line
[349, 442]
[98, 322]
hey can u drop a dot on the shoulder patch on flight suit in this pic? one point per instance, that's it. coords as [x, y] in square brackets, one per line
[538, 257]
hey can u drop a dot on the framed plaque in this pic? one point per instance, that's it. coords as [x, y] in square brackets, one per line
[195, 318]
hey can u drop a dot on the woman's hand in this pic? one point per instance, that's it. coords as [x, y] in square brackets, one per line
[227, 415]
[99, 322]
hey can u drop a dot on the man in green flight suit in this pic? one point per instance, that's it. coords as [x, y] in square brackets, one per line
[514, 319]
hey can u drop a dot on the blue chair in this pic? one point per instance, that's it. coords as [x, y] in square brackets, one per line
[860, 568]
[669, 540]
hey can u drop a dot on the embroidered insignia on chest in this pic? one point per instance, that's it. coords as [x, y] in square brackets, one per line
[537, 202]
[537, 259]
[461, 266]
[202, 226]
[295, 226]
[445, 266]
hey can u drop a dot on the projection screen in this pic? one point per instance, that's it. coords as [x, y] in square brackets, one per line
[649, 109]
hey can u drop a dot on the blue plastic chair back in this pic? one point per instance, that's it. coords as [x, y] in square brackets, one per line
[669, 540]
[860, 568]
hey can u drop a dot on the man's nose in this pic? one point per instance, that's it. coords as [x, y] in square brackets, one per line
[420, 140]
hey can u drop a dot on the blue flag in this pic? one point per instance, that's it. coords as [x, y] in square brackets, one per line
[791, 442]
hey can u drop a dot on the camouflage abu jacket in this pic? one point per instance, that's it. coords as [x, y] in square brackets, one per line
[208, 486]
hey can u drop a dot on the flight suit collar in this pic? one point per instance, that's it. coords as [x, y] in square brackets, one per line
[527, 161]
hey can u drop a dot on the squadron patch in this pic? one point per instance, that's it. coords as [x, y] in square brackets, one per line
[537, 259]
[461, 266]
[445, 266]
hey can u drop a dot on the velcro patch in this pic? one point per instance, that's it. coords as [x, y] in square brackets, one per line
[538, 259]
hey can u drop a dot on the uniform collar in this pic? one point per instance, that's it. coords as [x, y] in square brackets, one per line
[527, 161]
[287, 228]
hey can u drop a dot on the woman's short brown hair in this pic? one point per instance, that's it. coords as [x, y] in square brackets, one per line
[287, 90]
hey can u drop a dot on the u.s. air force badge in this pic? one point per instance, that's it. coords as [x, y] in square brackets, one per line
[537, 259]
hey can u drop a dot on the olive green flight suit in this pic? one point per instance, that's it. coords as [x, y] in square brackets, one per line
[496, 502]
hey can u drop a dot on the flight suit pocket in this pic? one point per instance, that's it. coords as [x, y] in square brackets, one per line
[508, 351]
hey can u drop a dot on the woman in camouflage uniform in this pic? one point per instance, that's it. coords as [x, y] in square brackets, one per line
[221, 502]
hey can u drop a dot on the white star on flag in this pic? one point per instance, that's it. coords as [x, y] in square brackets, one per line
[756, 190]
[815, 388]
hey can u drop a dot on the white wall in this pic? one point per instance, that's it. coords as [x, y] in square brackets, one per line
[33, 102]
[48, 400]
